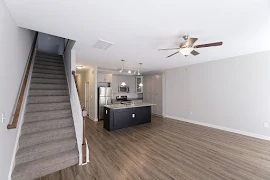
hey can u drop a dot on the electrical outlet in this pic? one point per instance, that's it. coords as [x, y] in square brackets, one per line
[266, 125]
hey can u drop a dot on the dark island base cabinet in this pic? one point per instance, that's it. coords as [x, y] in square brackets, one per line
[121, 118]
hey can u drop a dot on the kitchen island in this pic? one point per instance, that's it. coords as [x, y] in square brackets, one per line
[118, 116]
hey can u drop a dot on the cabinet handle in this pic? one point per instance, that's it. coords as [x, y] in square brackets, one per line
[106, 111]
[133, 115]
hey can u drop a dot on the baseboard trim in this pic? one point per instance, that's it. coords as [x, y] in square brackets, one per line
[93, 119]
[221, 128]
[157, 115]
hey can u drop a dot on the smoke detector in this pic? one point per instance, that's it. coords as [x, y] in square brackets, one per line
[102, 44]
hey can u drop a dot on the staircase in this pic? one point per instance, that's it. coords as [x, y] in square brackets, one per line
[47, 142]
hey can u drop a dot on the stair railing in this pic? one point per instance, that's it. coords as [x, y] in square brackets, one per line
[84, 114]
[18, 106]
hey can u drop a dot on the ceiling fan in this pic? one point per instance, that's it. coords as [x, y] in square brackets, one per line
[187, 48]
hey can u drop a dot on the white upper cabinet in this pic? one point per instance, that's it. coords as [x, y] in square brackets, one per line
[104, 77]
[131, 83]
[139, 84]
[118, 79]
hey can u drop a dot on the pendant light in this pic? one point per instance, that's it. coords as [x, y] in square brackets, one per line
[123, 64]
[139, 69]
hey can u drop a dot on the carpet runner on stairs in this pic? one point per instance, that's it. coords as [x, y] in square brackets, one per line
[48, 142]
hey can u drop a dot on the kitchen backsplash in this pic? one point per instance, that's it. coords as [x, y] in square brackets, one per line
[129, 95]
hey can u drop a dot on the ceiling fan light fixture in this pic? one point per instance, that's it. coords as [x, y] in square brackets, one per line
[186, 51]
[79, 66]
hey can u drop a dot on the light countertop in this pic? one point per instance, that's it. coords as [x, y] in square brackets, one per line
[123, 106]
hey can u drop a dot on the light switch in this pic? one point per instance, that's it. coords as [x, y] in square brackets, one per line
[3, 118]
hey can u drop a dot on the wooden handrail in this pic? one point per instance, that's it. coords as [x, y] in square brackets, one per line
[16, 114]
[84, 114]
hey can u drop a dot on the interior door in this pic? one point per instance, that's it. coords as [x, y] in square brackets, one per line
[87, 97]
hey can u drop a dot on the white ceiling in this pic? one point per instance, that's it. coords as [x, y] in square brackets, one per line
[138, 28]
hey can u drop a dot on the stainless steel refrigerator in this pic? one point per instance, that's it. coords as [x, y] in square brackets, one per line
[104, 98]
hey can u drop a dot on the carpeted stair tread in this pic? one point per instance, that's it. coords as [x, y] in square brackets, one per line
[49, 67]
[38, 126]
[39, 151]
[48, 81]
[48, 54]
[47, 106]
[44, 60]
[43, 166]
[46, 136]
[46, 71]
[45, 86]
[47, 99]
[48, 76]
[47, 115]
[48, 92]
[49, 63]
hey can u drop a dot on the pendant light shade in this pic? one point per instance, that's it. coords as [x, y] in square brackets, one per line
[123, 84]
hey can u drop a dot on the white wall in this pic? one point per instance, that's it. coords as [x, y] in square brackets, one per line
[232, 93]
[14, 51]
[50, 44]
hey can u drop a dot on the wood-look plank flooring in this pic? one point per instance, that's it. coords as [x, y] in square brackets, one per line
[169, 149]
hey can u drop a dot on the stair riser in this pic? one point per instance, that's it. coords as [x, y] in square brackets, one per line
[48, 93]
[49, 57]
[57, 68]
[48, 81]
[47, 63]
[46, 125]
[33, 117]
[48, 76]
[41, 60]
[47, 107]
[34, 141]
[51, 169]
[45, 71]
[48, 54]
[49, 86]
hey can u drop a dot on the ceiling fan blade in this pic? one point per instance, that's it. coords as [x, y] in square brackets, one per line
[195, 53]
[168, 49]
[191, 41]
[209, 45]
[173, 54]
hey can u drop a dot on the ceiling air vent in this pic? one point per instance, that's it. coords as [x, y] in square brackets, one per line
[101, 44]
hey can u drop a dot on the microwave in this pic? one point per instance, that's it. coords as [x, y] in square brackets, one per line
[124, 89]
